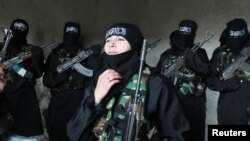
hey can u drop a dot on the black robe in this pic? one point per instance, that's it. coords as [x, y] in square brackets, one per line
[63, 103]
[21, 94]
[234, 99]
[161, 108]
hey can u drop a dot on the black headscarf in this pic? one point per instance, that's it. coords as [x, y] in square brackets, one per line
[235, 35]
[185, 35]
[71, 33]
[127, 64]
[20, 29]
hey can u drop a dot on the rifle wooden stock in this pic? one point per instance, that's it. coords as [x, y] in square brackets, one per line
[18, 59]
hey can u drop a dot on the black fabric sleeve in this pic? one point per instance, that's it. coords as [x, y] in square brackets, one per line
[51, 77]
[198, 61]
[81, 124]
[12, 87]
[34, 64]
[164, 109]
[216, 84]
[37, 60]
[158, 67]
[217, 66]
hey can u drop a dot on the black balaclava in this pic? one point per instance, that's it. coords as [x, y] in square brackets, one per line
[126, 63]
[236, 34]
[20, 29]
[186, 33]
[71, 34]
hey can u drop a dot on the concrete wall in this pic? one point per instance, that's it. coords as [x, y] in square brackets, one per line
[157, 19]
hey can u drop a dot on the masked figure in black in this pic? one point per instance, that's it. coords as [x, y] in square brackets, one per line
[103, 113]
[189, 80]
[66, 87]
[234, 99]
[20, 87]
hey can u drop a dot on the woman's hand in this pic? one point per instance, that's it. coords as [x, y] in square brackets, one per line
[104, 83]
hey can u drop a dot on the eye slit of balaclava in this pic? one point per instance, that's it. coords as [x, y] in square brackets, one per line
[20, 29]
[71, 33]
[236, 34]
[21, 25]
[184, 37]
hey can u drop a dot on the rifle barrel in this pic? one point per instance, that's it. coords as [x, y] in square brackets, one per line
[133, 104]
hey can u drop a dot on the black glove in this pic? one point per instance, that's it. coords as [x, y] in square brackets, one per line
[28, 74]
[63, 76]
[231, 84]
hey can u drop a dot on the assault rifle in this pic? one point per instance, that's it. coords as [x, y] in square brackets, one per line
[152, 45]
[244, 67]
[129, 136]
[237, 64]
[16, 60]
[74, 63]
[8, 64]
[179, 61]
[8, 35]
[51, 46]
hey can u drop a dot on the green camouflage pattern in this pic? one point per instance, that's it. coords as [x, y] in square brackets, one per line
[123, 102]
[183, 85]
[244, 74]
[227, 57]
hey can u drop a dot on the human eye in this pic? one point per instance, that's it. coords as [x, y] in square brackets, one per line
[121, 38]
[107, 40]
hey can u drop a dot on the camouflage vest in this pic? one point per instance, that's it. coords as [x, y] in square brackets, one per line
[186, 81]
[116, 116]
[226, 57]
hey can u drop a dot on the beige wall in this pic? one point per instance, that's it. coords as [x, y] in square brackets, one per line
[157, 18]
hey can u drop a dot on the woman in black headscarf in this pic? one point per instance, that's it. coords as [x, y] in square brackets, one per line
[103, 112]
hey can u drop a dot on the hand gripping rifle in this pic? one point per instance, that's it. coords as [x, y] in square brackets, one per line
[134, 102]
[14, 62]
[237, 64]
[8, 35]
[179, 61]
[74, 63]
